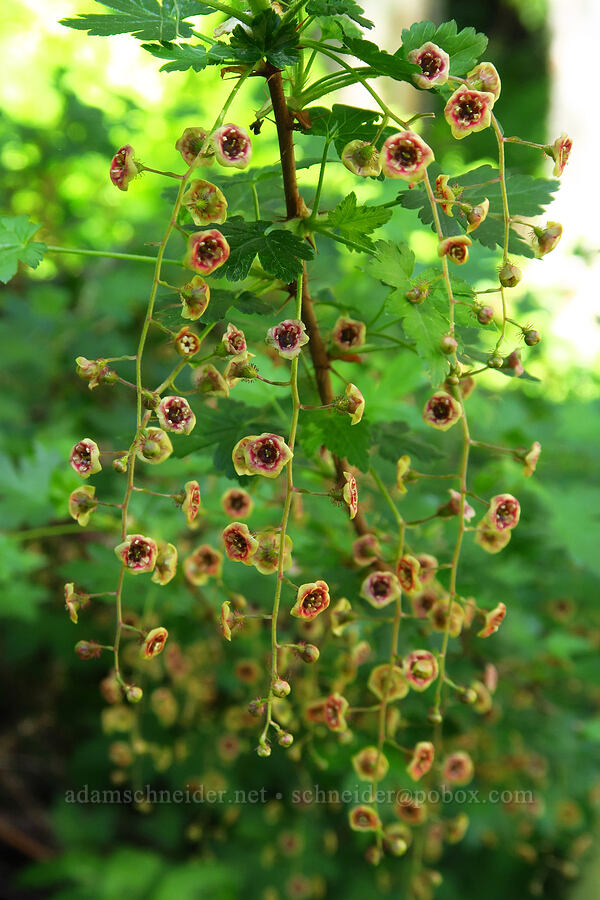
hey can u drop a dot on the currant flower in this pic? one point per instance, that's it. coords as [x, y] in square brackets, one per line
[205, 562]
[490, 539]
[311, 600]
[366, 549]
[530, 459]
[85, 458]
[341, 616]
[175, 414]
[187, 343]
[88, 649]
[388, 681]
[402, 468]
[166, 563]
[233, 341]
[410, 810]
[82, 504]
[440, 613]
[509, 275]
[467, 111]
[483, 698]
[493, 620]
[348, 333]
[264, 454]
[288, 337]
[513, 363]
[456, 248]
[445, 194]
[74, 601]
[504, 512]
[208, 380]
[352, 403]
[205, 203]
[364, 818]
[266, 557]
[559, 151]
[334, 712]
[370, 764]
[484, 77]
[137, 553]
[423, 602]
[434, 64]
[123, 168]
[190, 505]
[361, 158]
[232, 146]
[405, 155]
[477, 214]
[195, 148]
[195, 297]
[421, 669]
[350, 494]
[227, 620]
[407, 570]
[154, 446]
[94, 371]
[154, 642]
[544, 240]
[442, 411]
[428, 567]
[240, 544]
[206, 251]
[380, 588]
[452, 508]
[237, 503]
[421, 760]
[457, 768]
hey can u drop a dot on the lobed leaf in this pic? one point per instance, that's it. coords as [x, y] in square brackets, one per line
[16, 245]
[335, 432]
[146, 20]
[464, 47]
[279, 251]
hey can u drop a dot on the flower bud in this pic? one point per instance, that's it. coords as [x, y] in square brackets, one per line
[417, 294]
[559, 151]
[448, 344]
[309, 653]
[513, 362]
[531, 337]
[95, 371]
[509, 275]
[373, 855]
[477, 214]
[88, 649]
[263, 750]
[233, 342]
[545, 239]
[150, 399]
[285, 739]
[120, 464]
[281, 688]
[485, 315]
[257, 707]
[361, 158]
[495, 361]
[133, 693]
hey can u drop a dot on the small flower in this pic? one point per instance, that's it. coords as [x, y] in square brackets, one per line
[489, 539]
[266, 556]
[195, 297]
[434, 64]
[428, 567]
[154, 446]
[456, 248]
[509, 275]
[513, 363]
[457, 768]
[288, 337]
[361, 158]
[452, 508]
[334, 711]
[380, 588]
[348, 333]
[530, 459]
[85, 458]
[232, 146]
[559, 151]
[423, 603]
[94, 371]
[206, 251]
[202, 564]
[442, 411]
[88, 649]
[421, 669]
[402, 468]
[397, 838]
[467, 111]
[350, 494]
[191, 501]
[352, 403]
[237, 503]
[195, 148]
[155, 642]
[421, 760]
[477, 214]
[187, 342]
[208, 380]
[74, 601]
[444, 193]
[370, 764]
[388, 682]
[504, 512]
[82, 504]
[439, 613]
[264, 454]
[408, 573]
[484, 77]
[405, 155]
[311, 600]
[138, 553]
[341, 616]
[166, 563]
[366, 550]
[493, 620]
[545, 239]
[123, 168]
[240, 545]
[175, 414]
[410, 810]
[234, 341]
[364, 818]
[205, 202]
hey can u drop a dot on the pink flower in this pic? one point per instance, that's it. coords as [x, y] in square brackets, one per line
[434, 64]
[195, 148]
[234, 341]
[348, 333]
[456, 248]
[361, 158]
[405, 155]
[236, 503]
[204, 563]
[155, 642]
[484, 77]
[154, 446]
[364, 818]
[560, 151]
[191, 501]
[457, 768]
[442, 411]
[530, 459]
[421, 761]
[208, 380]
[493, 620]
[206, 251]
[380, 588]
[350, 493]
[123, 168]
[82, 504]
[509, 275]
[85, 458]
[240, 545]
[195, 297]
[334, 711]
[311, 600]
[205, 202]
[444, 193]
[370, 764]
[408, 573]
[175, 414]
[232, 146]
[421, 669]
[439, 614]
[504, 512]
[467, 111]
[410, 810]
[266, 557]
[388, 682]
[353, 403]
[264, 454]
[137, 553]
[288, 337]
[365, 550]
[166, 564]
[489, 539]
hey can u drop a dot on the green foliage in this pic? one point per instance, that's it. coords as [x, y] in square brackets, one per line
[354, 221]
[335, 432]
[393, 65]
[269, 39]
[279, 251]
[335, 9]
[16, 245]
[147, 20]
[464, 47]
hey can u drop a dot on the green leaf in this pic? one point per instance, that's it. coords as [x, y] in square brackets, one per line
[268, 39]
[16, 245]
[336, 9]
[394, 66]
[392, 263]
[343, 124]
[464, 47]
[353, 220]
[182, 56]
[426, 326]
[335, 432]
[395, 438]
[279, 251]
[146, 20]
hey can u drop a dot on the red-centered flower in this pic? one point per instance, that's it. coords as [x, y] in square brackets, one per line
[545, 239]
[421, 669]
[240, 545]
[484, 77]
[195, 297]
[421, 760]
[380, 588]
[434, 64]
[334, 712]
[452, 508]
[205, 203]
[94, 371]
[187, 342]
[402, 468]
[206, 251]
[155, 642]
[264, 454]
[439, 613]
[388, 681]
[82, 504]
[370, 764]
[288, 337]
[350, 494]
[429, 566]
[341, 616]
[445, 194]
[88, 649]
[166, 563]
[85, 458]
[137, 553]
[232, 146]
[74, 601]
[410, 810]
[442, 411]
[530, 459]
[456, 248]
[477, 214]
[191, 502]
[405, 155]
[457, 768]
[175, 414]
[195, 148]
[315, 711]
[237, 503]
[490, 539]
[348, 334]
[311, 600]
[353, 403]
[493, 620]
[407, 570]
[208, 380]
[560, 151]
[123, 168]
[266, 558]
[467, 111]
[423, 603]
[364, 818]
[204, 563]
[361, 158]
[234, 341]
[154, 446]
[504, 512]
[366, 549]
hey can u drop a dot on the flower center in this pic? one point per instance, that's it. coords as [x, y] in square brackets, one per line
[458, 252]
[176, 413]
[138, 552]
[238, 543]
[267, 452]
[440, 409]
[287, 337]
[380, 587]
[505, 512]
[406, 154]
[430, 64]
[313, 601]
[469, 109]
[233, 144]
[349, 335]
[208, 249]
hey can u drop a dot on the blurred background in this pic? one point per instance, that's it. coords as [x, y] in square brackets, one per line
[68, 103]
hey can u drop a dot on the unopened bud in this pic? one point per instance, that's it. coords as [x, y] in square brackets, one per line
[435, 718]
[448, 344]
[263, 750]
[310, 653]
[256, 707]
[417, 294]
[495, 361]
[120, 464]
[285, 739]
[281, 688]
[532, 337]
[485, 315]
[134, 693]
[509, 275]
[150, 399]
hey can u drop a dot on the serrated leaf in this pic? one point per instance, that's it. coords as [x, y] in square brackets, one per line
[335, 432]
[426, 326]
[16, 245]
[463, 47]
[395, 66]
[393, 439]
[279, 251]
[343, 124]
[181, 56]
[146, 20]
[352, 219]
[268, 39]
[392, 263]
[336, 9]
